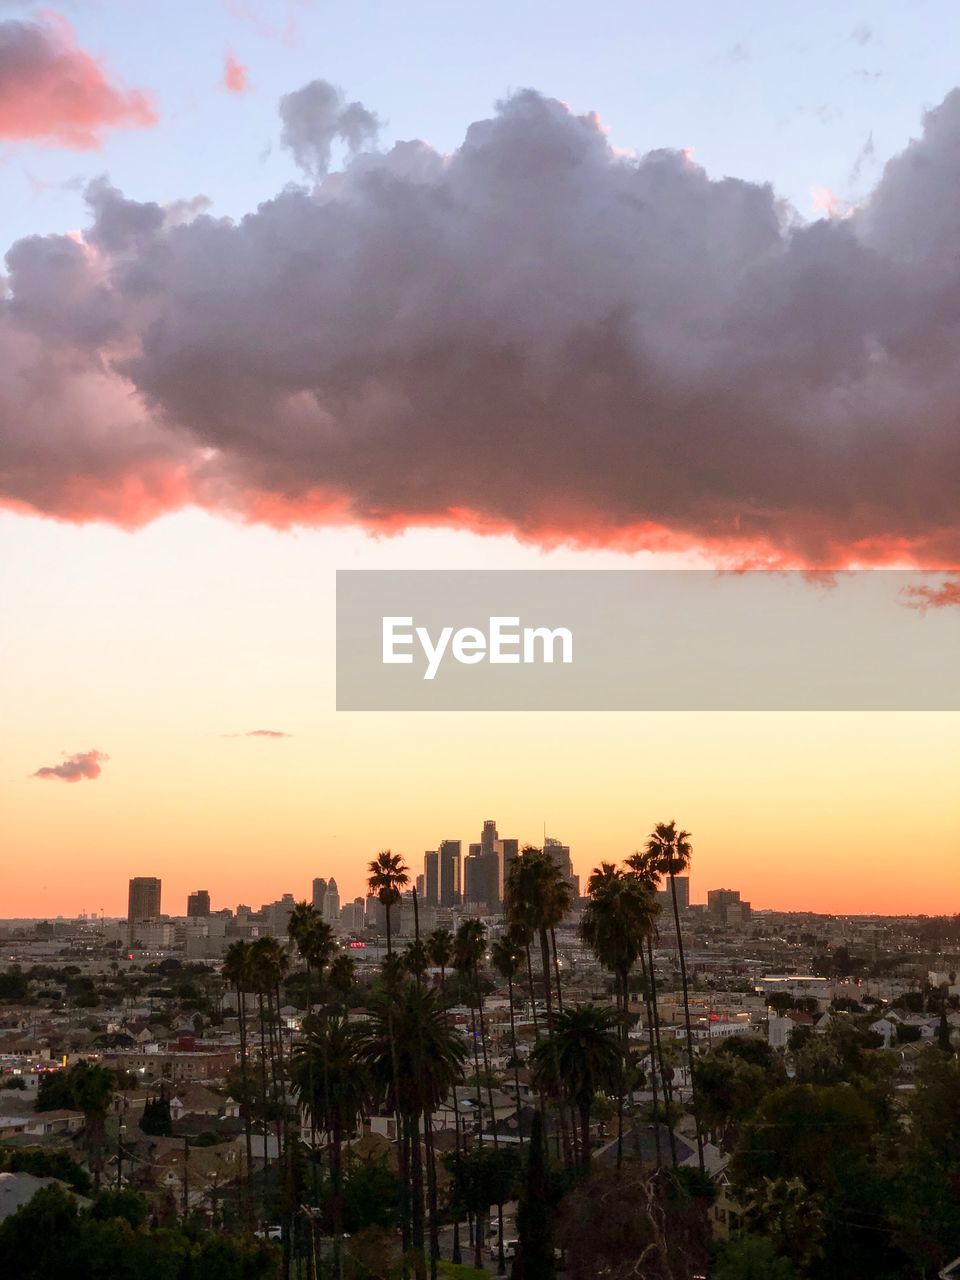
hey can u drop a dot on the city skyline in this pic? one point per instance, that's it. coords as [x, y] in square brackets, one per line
[680, 337]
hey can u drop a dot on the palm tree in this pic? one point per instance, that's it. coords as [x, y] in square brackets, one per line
[470, 946]
[387, 878]
[341, 977]
[414, 1060]
[619, 916]
[270, 965]
[314, 940]
[416, 959]
[238, 971]
[337, 1107]
[588, 1056]
[537, 897]
[507, 955]
[93, 1089]
[646, 869]
[440, 950]
[671, 850]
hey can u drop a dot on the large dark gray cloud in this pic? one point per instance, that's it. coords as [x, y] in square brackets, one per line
[535, 334]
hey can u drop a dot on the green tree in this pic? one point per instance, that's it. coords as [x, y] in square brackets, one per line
[535, 1248]
[586, 1051]
[330, 1079]
[620, 915]
[440, 950]
[342, 976]
[387, 878]
[818, 1134]
[238, 971]
[414, 1060]
[671, 849]
[747, 1257]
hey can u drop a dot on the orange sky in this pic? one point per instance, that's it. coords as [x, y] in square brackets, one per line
[157, 647]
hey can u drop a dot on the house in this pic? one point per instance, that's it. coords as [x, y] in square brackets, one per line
[887, 1028]
[18, 1189]
[194, 1099]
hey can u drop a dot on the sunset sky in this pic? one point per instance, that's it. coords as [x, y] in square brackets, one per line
[293, 288]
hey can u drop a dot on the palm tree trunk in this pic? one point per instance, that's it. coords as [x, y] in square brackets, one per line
[457, 1257]
[416, 1179]
[533, 1001]
[667, 1089]
[516, 1060]
[336, 1198]
[263, 1100]
[548, 990]
[245, 1104]
[621, 984]
[585, 1136]
[432, 1201]
[313, 1117]
[556, 968]
[389, 934]
[652, 1051]
[501, 1264]
[686, 1015]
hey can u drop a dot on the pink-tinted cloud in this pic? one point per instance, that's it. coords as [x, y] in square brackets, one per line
[944, 596]
[267, 733]
[235, 77]
[533, 335]
[85, 764]
[54, 92]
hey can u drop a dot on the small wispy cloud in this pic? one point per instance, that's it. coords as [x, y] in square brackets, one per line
[84, 764]
[260, 733]
[235, 77]
[946, 596]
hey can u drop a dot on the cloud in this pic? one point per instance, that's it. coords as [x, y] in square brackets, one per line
[235, 78]
[944, 596]
[315, 117]
[53, 92]
[267, 733]
[84, 764]
[535, 335]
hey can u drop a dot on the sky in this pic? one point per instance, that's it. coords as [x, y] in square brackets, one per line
[293, 288]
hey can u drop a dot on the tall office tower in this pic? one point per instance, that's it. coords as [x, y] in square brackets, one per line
[319, 892]
[278, 915]
[560, 853]
[351, 916]
[421, 886]
[431, 878]
[489, 835]
[198, 904]
[510, 850]
[143, 902]
[449, 873]
[683, 891]
[331, 902]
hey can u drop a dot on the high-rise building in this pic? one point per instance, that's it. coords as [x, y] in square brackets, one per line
[510, 850]
[143, 902]
[727, 907]
[449, 873]
[560, 853]
[319, 892]
[198, 904]
[331, 903]
[277, 915]
[431, 878]
[351, 916]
